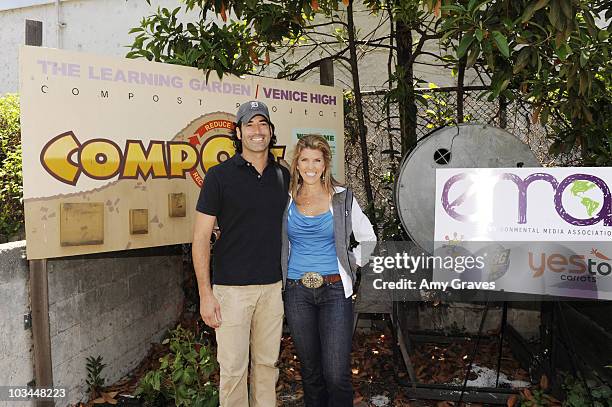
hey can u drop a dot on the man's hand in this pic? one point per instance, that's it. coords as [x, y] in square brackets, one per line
[210, 310]
[200, 250]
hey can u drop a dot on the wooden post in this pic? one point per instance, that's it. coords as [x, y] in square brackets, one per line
[39, 284]
[39, 303]
[326, 70]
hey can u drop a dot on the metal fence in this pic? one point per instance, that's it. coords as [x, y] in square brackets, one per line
[437, 107]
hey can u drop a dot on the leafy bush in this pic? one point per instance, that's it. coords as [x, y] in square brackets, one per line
[11, 185]
[577, 395]
[95, 381]
[183, 375]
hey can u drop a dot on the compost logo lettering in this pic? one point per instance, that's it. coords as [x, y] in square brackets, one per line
[66, 158]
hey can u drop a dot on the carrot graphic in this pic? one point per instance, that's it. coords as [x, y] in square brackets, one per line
[599, 255]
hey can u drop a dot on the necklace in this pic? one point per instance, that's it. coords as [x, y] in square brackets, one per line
[309, 205]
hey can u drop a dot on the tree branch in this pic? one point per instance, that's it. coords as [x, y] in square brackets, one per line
[296, 74]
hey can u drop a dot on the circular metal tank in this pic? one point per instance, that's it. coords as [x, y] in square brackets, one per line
[463, 146]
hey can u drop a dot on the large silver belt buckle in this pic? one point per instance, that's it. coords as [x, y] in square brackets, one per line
[312, 279]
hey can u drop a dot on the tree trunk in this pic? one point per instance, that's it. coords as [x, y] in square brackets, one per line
[359, 110]
[460, 91]
[407, 101]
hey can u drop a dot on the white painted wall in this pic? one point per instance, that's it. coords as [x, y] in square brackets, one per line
[93, 26]
[101, 27]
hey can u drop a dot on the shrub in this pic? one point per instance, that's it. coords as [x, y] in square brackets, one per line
[11, 184]
[184, 375]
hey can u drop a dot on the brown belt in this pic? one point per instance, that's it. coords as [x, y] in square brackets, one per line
[332, 278]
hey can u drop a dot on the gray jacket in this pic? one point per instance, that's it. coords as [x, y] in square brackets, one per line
[347, 219]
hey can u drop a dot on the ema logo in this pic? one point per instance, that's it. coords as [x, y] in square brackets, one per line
[587, 193]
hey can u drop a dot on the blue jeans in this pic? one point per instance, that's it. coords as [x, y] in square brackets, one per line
[321, 324]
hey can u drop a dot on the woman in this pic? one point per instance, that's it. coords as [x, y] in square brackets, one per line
[319, 272]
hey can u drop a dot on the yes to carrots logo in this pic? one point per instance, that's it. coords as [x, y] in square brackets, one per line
[597, 263]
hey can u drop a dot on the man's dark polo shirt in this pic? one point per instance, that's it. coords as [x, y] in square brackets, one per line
[249, 208]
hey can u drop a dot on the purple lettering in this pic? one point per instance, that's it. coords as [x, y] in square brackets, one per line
[162, 80]
[522, 190]
[119, 76]
[133, 77]
[92, 74]
[106, 74]
[523, 185]
[147, 79]
[177, 82]
[43, 64]
[74, 70]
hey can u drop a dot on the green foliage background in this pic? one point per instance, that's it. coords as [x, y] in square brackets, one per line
[11, 185]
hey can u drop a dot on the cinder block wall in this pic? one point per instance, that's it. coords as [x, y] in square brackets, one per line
[113, 305]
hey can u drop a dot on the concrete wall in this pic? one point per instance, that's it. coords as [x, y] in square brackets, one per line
[467, 317]
[113, 305]
[16, 368]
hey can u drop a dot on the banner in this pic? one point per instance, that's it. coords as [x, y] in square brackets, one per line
[544, 231]
[115, 150]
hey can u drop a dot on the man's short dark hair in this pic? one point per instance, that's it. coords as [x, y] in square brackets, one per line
[238, 142]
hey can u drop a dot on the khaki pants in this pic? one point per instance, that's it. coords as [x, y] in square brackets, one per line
[252, 317]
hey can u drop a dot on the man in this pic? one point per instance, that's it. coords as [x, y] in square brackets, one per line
[246, 195]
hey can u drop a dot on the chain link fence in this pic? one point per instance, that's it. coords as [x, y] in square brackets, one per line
[436, 107]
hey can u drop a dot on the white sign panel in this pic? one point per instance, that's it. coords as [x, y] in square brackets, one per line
[541, 231]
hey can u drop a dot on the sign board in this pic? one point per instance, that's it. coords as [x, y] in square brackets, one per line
[115, 150]
[539, 230]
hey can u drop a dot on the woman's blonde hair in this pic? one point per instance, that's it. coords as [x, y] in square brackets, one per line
[313, 142]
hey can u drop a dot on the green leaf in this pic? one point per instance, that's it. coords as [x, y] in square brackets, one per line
[472, 56]
[452, 7]
[583, 59]
[540, 4]
[479, 34]
[562, 52]
[531, 9]
[554, 15]
[591, 26]
[177, 375]
[566, 7]
[156, 380]
[603, 35]
[521, 60]
[465, 43]
[502, 43]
